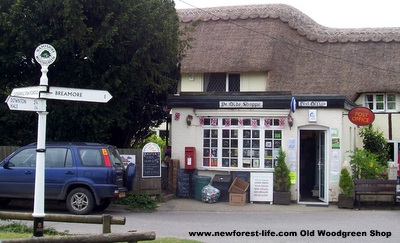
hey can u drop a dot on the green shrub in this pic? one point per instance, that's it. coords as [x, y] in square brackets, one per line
[366, 165]
[16, 227]
[142, 202]
[281, 173]
[346, 183]
[375, 142]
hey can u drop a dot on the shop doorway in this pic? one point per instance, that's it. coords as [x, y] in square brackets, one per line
[313, 167]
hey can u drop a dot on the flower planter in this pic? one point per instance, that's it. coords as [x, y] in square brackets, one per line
[345, 201]
[282, 198]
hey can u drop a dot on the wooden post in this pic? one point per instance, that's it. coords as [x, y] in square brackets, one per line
[106, 223]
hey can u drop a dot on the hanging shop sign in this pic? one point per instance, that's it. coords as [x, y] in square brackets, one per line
[361, 116]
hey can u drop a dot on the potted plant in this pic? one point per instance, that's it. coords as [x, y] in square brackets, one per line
[282, 193]
[346, 199]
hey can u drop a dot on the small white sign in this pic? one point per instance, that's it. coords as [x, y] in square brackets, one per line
[89, 95]
[312, 115]
[313, 103]
[28, 92]
[45, 54]
[25, 104]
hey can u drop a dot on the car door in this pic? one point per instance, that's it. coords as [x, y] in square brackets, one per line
[17, 174]
[60, 171]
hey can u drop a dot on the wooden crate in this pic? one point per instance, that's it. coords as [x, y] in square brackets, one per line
[237, 199]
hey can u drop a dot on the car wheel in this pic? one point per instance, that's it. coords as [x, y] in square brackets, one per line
[80, 201]
[103, 205]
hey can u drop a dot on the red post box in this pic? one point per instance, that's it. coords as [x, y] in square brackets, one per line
[190, 158]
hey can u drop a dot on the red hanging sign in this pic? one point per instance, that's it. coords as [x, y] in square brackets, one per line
[361, 116]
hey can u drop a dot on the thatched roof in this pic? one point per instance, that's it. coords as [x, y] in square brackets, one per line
[300, 55]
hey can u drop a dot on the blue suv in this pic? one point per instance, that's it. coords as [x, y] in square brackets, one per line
[87, 176]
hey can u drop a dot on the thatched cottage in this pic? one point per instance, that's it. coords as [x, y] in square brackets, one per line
[261, 77]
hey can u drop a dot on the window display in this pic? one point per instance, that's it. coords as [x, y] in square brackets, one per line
[241, 142]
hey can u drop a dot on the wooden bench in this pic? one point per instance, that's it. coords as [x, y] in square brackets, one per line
[374, 187]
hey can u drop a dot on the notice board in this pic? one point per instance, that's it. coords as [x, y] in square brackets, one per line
[261, 187]
[151, 160]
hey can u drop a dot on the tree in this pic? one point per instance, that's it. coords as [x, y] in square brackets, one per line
[130, 48]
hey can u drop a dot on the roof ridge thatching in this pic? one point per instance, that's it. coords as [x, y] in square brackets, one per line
[297, 20]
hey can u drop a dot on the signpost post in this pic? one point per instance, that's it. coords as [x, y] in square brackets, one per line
[34, 99]
[45, 55]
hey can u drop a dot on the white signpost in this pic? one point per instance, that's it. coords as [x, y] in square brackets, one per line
[34, 99]
[88, 95]
[25, 104]
[28, 92]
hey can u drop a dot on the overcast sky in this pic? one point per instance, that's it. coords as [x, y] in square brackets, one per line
[330, 13]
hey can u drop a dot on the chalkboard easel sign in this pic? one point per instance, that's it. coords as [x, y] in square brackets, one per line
[151, 160]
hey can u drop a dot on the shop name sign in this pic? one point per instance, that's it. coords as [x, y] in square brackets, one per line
[313, 103]
[361, 116]
[240, 104]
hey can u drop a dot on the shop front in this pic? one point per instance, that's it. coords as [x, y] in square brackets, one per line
[239, 134]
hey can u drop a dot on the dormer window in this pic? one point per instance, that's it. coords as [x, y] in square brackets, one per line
[221, 82]
[380, 102]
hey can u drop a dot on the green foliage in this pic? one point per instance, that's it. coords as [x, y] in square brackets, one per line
[375, 142]
[130, 48]
[16, 227]
[365, 165]
[153, 138]
[346, 183]
[281, 173]
[142, 202]
[372, 162]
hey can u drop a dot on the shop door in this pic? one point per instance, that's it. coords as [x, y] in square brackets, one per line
[312, 167]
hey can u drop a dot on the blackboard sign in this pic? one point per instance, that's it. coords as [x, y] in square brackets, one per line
[151, 160]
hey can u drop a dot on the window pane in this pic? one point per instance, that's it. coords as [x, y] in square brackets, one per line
[234, 82]
[56, 157]
[91, 157]
[380, 102]
[25, 158]
[369, 101]
[391, 102]
[215, 82]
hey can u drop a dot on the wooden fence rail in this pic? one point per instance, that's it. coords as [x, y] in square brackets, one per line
[106, 220]
[120, 237]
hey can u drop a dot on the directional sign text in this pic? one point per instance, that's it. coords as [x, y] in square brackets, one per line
[89, 95]
[25, 104]
[28, 92]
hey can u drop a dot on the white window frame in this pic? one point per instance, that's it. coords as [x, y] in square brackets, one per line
[385, 102]
[220, 157]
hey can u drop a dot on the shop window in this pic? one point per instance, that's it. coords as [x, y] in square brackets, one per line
[273, 141]
[250, 143]
[210, 147]
[230, 147]
[251, 148]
